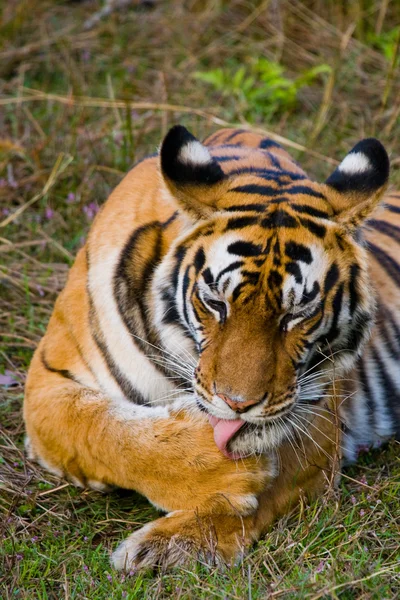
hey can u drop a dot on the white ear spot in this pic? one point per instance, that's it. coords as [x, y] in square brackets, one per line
[355, 163]
[194, 153]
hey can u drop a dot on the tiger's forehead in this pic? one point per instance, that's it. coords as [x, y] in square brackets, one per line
[281, 266]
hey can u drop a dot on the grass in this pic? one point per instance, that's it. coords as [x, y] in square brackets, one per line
[77, 108]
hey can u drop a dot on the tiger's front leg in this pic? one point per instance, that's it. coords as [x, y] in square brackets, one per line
[216, 538]
[168, 456]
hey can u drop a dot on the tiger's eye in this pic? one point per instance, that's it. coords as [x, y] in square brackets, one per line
[284, 323]
[219, 307]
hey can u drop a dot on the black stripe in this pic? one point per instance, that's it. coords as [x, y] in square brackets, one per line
[244, 249]
[331, 278]
[199, 260]
[366, 389]
[353, 287]
[318, 230]
[310, 296]
[274, 160]
[391, 395]
[274, 279]
[382, 328]
[254, 188]
[62, 372]
[309, 210]
[233, 135]
[267, 143]
[298, 252]
[294, 269]
[246, 207]
[180, 254]
[279, 218]
[387, 262]
[227, 158]
[393, 207]
[185, 287]
[334, 332]
[237, 291]
[128, 390]
[386, 228]
[171, 315]
[208, 276]
[251, 276]
[303, 189]
[170, 220]
[240, 222]
[231, 267]
[389, 329]
[359, 326]
[263, 173]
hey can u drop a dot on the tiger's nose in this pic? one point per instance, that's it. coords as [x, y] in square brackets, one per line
[238, 405]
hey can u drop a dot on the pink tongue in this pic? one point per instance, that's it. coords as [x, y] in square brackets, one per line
[223, 432]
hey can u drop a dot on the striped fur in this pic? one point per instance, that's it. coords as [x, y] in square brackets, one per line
[220, 280]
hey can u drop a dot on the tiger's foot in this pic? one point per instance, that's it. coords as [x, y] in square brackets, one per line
[184, 536]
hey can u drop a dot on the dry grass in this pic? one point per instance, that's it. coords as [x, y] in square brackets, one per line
[77, 108]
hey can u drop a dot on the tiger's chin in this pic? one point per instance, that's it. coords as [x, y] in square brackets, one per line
[258, 439]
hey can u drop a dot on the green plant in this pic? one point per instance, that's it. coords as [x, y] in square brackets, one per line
[386, 42]
[260, 89]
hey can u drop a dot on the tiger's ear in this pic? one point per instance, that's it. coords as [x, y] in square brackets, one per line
[191, 174]
[355, 188]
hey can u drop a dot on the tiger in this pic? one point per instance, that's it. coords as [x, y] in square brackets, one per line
[227, 338]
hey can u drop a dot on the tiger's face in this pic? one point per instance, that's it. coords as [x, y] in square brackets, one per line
[276, 299]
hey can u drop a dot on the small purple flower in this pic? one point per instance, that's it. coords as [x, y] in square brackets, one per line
[353, 500]
[15, 464]
[91, 210]
[34, 539]
[362, 512]
[40, 290]
[86, 568]
[85, 539]
[5, 211]
[19, 556]
[71, 198]
[8, 379]
[109, 577]
[124, 594]
[49, 213]
[320, 567]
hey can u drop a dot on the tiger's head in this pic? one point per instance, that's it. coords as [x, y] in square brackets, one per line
[269, 282]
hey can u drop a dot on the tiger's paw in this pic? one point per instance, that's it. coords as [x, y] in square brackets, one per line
[183, 537]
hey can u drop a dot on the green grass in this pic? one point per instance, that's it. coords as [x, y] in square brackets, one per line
[72, 123]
